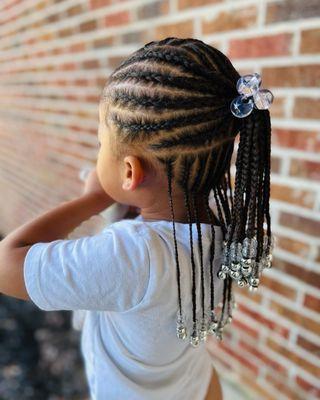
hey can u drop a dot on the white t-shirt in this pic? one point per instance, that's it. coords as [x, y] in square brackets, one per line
[125, 277]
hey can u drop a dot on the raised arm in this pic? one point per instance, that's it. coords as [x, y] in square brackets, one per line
[52, 225]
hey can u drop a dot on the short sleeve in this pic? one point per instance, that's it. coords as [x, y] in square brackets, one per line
[108, 271]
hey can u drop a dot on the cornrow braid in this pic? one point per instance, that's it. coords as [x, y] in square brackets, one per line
[170, 102]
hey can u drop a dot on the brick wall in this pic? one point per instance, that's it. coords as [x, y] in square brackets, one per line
[54, 59]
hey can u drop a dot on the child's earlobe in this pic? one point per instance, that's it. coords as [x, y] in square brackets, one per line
[126, 185]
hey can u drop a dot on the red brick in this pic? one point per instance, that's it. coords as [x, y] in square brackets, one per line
[67, 66]
[90, 64]
[289, 10]
[113, 62]
[293, 246]
[77, 47]
[312, 302]
[305, 169]
[53, 18]
[295, 76]
[297, 139]
[118, 18]
[245, 328]
[278, 287]
[262, 46]
[301, 224]
[99, 3]
[92, 99]
[75, 10]
[295, 358]
[253, 296]
[100, 81]
[65, 32]
[293, 316]
[263, 357]
[230, 20]
[257, 387]
[305, 107]
[308, 345]
[282, 385]
[183, 4]
[275, 164]
[241, 359]
[103, 42]
[88, 26]
[41, 6]
[132, 37]
[310, 41]
[269, 323]
[178, 29]
[46, 37]
[57, 51]
[306, 275]
[297, 196]
[308, 387]
[278, 108]
[152, 10]
[81, 82]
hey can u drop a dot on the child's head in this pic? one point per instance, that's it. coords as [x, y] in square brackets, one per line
[167, 135]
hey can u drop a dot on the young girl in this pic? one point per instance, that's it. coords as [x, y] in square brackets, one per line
[155, 286]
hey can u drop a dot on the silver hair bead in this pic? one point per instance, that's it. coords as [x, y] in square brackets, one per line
[222, 275]
[181, 328]
[268, 261]
[239, 261]
[212, 323]
[194, 338]
[235, 266]
[224, 268]
[235, 274]
[181, 332]
[218, 333]
[203, 331]
[242, 282]
[254, 283]
[246, 268]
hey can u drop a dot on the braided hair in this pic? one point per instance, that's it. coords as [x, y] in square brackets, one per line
[173, 98]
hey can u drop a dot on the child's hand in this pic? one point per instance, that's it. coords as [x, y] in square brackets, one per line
[92, 185]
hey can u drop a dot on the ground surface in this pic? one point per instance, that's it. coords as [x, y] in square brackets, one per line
[39, 354]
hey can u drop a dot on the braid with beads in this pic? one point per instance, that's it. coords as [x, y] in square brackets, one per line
[172, 98]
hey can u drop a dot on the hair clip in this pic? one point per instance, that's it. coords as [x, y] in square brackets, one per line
[248, 86]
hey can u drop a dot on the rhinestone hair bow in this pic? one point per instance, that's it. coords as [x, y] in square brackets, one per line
[251, 96]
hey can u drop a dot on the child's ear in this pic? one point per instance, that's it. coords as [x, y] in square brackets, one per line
[133, 173]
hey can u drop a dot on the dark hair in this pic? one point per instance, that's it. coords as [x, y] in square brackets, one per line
[180, 91]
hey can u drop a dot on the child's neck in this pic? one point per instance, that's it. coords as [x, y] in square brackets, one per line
[179, 215]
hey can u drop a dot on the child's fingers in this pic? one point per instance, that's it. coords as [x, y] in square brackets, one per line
[84, 172]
